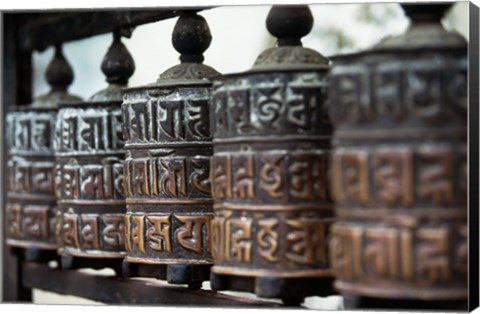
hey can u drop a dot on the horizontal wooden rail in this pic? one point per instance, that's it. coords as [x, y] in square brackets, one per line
[115, 290]
[41, 30]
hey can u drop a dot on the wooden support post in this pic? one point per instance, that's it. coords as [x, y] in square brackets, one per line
[16, 85]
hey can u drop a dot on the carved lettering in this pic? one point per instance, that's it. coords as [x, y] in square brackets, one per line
[200, 177]
[241, 243]
[190, 235]
[198, 118]
[137, 233]
[433, 254]
[69, 133]
[423, 92]
[346, 251]
[305, 110]
[23, 134]
[23, 178]
[271, 175]
[113, 233]
[139, 122]
[393, 176]
[306, 242]
[71, 182]
[159, 233]
[356, 176]
[389, 98]
[93, 185]
[172, 120]
[140, 177]
[41, 130]
[220, 236]
[221, 125]
[118, 179]
[115, 133]
[128, 234]
[308, 176]
[43, 178]
[90, 232]
[173, 180]
[381, 252]
[244, 177]
[267, 239]
[35, 221]
[70, 230]
[435, 177]
[240, 109]
[222, 177]
[269, 103]
[14, 216]
[92, 134]
[352, 104]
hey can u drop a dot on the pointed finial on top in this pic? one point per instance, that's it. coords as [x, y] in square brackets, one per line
[59, 73]
[118, 65]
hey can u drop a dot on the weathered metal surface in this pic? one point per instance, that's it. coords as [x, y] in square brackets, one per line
[168, 148]
[269, 170]
[31, 204]
[89, 166]
[399, 167]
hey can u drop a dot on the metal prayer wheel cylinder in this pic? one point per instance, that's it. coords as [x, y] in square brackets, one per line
[31, 216]
[399, 165]
[89, 170]
[269, 170]
[168, 148]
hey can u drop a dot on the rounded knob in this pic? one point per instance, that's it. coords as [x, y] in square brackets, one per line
[191, 37]
[59, 73]
[289, 23]
[118, 65]
[425, 12]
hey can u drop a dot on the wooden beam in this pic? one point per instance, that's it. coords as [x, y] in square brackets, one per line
[16, 89]
[45, 29]
[114, 290]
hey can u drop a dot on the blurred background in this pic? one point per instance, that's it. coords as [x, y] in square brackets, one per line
[239, 35]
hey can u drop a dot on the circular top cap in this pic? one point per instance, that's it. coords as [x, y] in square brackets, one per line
[425, 30]
[191, 37]
[118, 65]
[289, 24]
[59, 73]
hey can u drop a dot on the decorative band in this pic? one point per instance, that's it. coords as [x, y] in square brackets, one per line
[246, 272]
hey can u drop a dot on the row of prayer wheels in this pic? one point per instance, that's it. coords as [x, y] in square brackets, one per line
[301, 176]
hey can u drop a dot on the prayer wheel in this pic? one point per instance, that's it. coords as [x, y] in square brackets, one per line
[399, 167]
[89, 170]
[168, 148]
[31, 204]
[271, 142]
